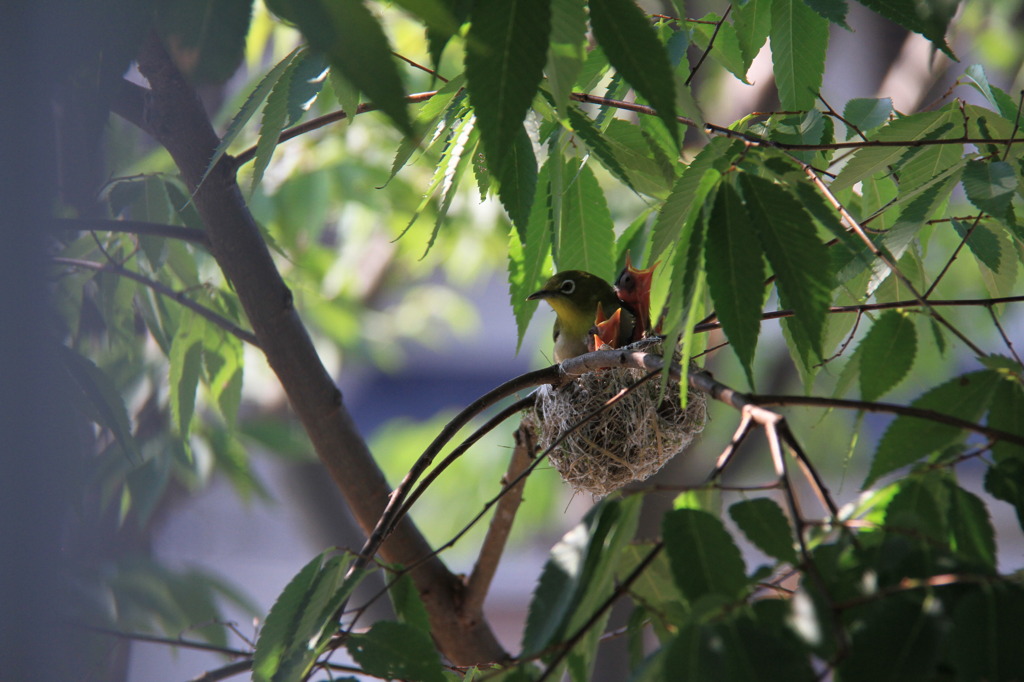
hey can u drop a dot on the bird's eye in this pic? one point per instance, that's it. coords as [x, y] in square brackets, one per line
[568, 286]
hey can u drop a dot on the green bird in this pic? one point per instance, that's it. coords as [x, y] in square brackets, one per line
[581, 301]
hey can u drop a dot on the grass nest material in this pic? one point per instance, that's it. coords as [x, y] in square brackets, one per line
[629, 441]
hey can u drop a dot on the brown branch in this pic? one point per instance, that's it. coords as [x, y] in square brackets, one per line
[479, 580]
[173, 114]
[188, 234]
[164, 290]
[889, 408]
[249, 154]
[866, 307]
[711, 43]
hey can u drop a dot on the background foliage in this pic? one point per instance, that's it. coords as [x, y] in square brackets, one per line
[523, 137]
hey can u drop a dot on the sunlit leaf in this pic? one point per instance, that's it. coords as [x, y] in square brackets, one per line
[586, 237]
[910, 438]
[735, 273]
[799, 39]
[633, 48]
[886, 354]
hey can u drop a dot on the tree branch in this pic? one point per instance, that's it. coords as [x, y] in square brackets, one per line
[173, 114]
[188, 234]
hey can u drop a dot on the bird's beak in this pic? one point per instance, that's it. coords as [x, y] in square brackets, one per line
[537, 295]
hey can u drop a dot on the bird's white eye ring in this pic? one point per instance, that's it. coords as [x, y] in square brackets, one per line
[568, 286]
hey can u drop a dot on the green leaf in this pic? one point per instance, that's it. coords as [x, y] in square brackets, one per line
[1005, 481]
[833, 10]
[735, 274]
[982, 242]
[1004, 414]
[447, 98]
[632, 46]
[566, 51]
[886, 354]
[586, 236]
[704, 559]
[866, 113]
[105, 403]
[396, 650]
[580, 573]
[526, 267]
[727, 49]
[641, 157]
[1006, 107]
[252, 104]
[798, 258]
[984, 643]
[689, 191]
[764, 524]
[752, 21]
[973, 537]
[183, 376]
[407, 603]
[517, 178]
[922, 166]
[506, 50]
[990, 185]
[301, 621]
[289, 99]
[799, 39]
[354, 43]
[871, 160]
[909, 438]
[899, 638]
[930, 19]
[583, 126]
[206, 37]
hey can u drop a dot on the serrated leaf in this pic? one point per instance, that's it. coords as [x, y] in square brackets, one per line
[526, 265]
[833, 10]
[982, 242]
[252, 104]
[1005, 481]
[704, 558]
[580, 572]
[726, 49]
[408, 605]
[871, 160]
[798, 258]
[583, 126]
[909, 438]
[799, 39]
[517, 179]
[224, 356]
[354, 43]
[429, 118]
[586, 235]
[1005, 415]
[920, 168]
[983, 642]
[899, 638]
[392, 650]
[690, 190]
[930, 19]
[1006, 107]
[752, 21]
[183, 375]
[451, 168]
[866, 113]
[632, 46]
[990, 185]
[764, 524]
[566, 51]
[735, 274]
[886, 354]
[973, 537]
[106, 403]
[506, 50]
[290, 97]
[640, 156]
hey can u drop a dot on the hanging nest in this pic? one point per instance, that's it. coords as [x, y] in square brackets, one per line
[629, 441]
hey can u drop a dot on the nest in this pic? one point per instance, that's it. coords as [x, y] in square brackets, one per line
[629, 441]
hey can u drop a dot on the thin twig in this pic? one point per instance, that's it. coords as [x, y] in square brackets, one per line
[161, 288]
[188, 234]
[711, 42]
